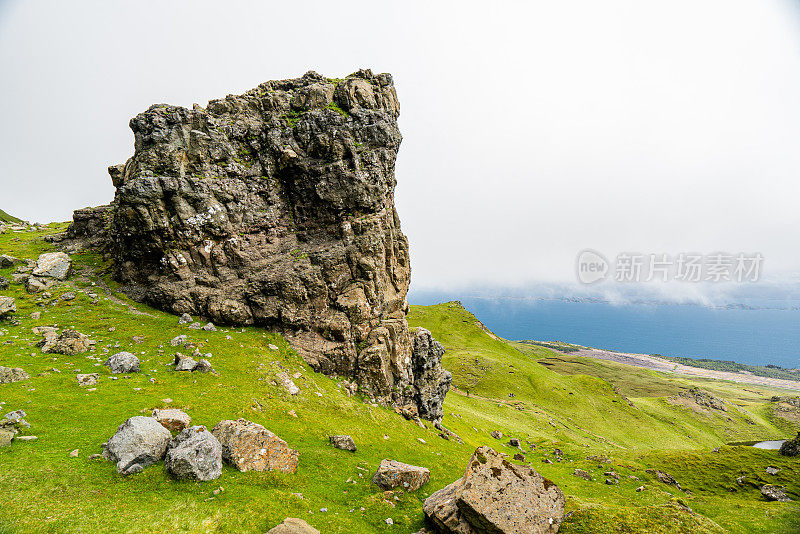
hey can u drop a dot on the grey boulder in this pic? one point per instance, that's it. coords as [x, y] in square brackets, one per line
[53, 265]
[122, 362]
[343, 442]
[12, 374]
[194, 454]
[7, 306]
[139, 442]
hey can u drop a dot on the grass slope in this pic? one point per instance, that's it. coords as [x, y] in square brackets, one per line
[499, 386]
[6, 218]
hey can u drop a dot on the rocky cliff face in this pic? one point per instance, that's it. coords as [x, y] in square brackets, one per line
[276, 208]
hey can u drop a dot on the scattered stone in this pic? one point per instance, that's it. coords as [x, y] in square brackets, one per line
[35, 285]
[4, 283]
[547, 461]
[184, 363]
[36, 316]
[203, 366]
[7, 306]
[95, 456]
[775, 493]
[640, 489]
[8, 261]
[12, 374]
[272, 347]
[249, 446]
[611, 481]
[496, 496]
[389, 521]
[26, 438]
[391, 474]
[172, 419]
[68, 342]
[74, 453]
[770, 470]
[666, 478]
[287, 383]
[122, 362]
[519, 457]
[496, 434]
[196, 326]
[139, 442]
[5, 437]
[344, 442]
[194, 454]
[209, 327]
[580, 473]
[185, 319]
[791, 447]
[292, 525]
[178, 340]
[514, 442]
[53, 265]
[68, 296]
[87, 379]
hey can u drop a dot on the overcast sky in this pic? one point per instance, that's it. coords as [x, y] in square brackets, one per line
[532, 130]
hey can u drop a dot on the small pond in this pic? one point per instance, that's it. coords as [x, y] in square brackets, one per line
[772, 445]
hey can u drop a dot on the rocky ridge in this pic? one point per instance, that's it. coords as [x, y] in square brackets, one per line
[276, 208]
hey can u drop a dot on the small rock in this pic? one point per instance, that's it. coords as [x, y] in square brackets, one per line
[209, 327]
[272, 347]
[26, 438]
[519, 457]
[68, 296]
[87, 379]
[391, 474]
[196, 326]
[172, 419]
[640, 488]
[389, 521]
[775, 493]
[185, 319]
[514, 442]
[178, 340]
[496, 434]
[36, 316]
[7, 306]
[580, 473]
[770, 470]
[287, 383]
[184, 363]
[74, 453]
[292, 525]
[343, 442]
[12, 374]
[95, 456]
[203, 366]
[123, 362]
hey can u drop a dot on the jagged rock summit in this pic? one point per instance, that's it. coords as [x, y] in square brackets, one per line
[276, 208]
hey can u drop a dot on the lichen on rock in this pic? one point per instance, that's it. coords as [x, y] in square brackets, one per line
[276, 208]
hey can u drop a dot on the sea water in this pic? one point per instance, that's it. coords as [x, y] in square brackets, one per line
[752, 336]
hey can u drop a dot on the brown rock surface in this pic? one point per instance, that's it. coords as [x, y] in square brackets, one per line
[498, 497]
[392, 474]
[251, 447]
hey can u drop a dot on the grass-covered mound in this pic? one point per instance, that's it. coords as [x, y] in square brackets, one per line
[601, 418]
[6, 218]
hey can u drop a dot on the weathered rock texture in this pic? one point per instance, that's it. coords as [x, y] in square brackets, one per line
[139, 442]
[791, 447]
[498, 497]
[249, 446]
[276, 208]
[194, 454]
[392, 474]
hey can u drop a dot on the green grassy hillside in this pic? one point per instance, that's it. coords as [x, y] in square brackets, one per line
[5, 217]
[592, 411]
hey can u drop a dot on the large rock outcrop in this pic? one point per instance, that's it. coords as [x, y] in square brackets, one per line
[276, 208]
